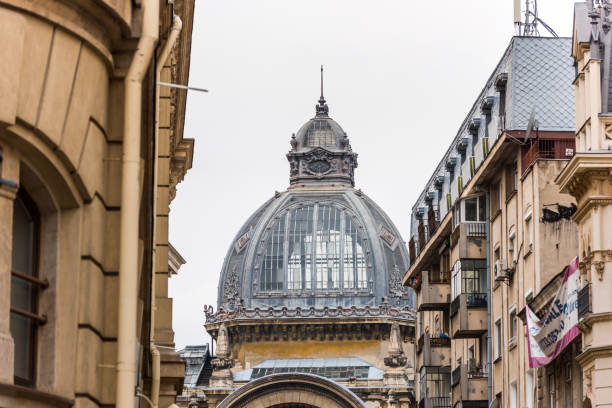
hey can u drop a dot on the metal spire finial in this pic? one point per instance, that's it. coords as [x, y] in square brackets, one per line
[321, 108]
[322, 98]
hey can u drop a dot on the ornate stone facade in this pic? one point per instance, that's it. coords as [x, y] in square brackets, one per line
[311, 289]
[62, 138]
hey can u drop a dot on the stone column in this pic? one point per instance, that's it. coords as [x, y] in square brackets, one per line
[589, 179]
[9, 173]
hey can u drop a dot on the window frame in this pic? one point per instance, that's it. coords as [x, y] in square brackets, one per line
[513, 323]
[529, 230]
[36, 286]
[317, 225]
[498, 339]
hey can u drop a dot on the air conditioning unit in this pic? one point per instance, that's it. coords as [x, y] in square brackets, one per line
[501, 265]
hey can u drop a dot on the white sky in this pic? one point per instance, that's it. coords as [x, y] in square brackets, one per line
[400, 76]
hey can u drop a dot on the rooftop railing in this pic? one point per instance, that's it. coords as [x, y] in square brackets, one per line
[558, 149]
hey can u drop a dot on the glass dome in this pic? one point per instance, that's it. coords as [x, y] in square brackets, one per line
[315, 247]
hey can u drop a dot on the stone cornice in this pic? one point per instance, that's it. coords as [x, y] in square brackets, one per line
[383, 311]
[591, 353]
[598, 164]
[592, 202]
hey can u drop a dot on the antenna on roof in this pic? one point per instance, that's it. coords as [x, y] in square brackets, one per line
[529, 28]
[533, 123]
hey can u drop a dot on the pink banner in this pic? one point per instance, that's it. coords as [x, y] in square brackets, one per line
[547, 337]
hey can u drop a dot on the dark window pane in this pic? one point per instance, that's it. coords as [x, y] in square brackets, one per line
[471, 209]
[22, 330]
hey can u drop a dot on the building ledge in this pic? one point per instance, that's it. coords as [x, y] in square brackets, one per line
[33, 394]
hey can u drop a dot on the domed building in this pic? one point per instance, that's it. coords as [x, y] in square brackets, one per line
[311, 310]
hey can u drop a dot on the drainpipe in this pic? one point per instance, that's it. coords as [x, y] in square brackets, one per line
[177, 25]
[130, 206]
[489, 344]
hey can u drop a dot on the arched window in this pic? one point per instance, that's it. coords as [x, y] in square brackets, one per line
[25, 283]
[314, 247]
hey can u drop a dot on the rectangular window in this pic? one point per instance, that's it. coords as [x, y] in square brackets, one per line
[511, 249]
[435, 383]
[529, 389]
[511, 179]
[551, 391]
[496, 258]
[25, 287]
[513, 322]
[529, 231]
[495, 199]
[475, 208]
[498, 339]
[513, 395]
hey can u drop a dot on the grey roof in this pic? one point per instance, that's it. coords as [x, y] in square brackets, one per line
[320, 128]
[541, 76]
[582, 25]
[328, 367]
[242, 267]
[196, 359]
[539, 72]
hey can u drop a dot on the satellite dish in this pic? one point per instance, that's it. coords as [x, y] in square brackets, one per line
[531, 124]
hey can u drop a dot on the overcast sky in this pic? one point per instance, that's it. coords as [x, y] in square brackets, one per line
[400, 76]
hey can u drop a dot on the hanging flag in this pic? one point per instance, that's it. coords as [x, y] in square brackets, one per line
[549, 336]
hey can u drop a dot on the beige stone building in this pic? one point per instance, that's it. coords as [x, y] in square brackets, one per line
[492, 234]
[91, 151]
[311, 310]
[588, 178]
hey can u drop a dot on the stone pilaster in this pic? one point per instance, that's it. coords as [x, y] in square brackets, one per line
[9, 173]
[588, 177]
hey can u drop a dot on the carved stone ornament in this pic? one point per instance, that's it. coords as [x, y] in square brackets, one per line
[395, 357]
[223, 346]
[396, 289]
[599, 268]
[231, 289]
[318, 162]
[242, 242]
[388, 238]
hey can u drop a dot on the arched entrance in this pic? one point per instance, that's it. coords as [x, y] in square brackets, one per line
[292, 390]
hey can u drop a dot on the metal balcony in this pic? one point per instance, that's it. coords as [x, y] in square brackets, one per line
[468, 313]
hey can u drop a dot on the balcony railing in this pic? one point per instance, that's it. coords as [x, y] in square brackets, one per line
[439, 341]
[439, 277]
[435, 402]
[584, 302]
[548, 149]
[476, 300]
[476, 229]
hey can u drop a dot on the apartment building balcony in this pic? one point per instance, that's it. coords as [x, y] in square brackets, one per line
[435, 291]
[469, 386]
[550, 149]
[468, 315]
[470, 236]
[435, 387]
[434, 350]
